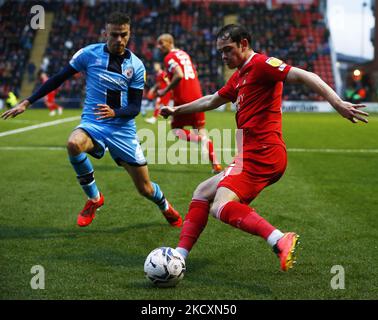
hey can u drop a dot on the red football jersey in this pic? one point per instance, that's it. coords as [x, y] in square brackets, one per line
[189, 88]
[257, 91]
[161, 79]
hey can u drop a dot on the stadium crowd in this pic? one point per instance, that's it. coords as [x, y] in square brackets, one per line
[297, 36]
[16, 41]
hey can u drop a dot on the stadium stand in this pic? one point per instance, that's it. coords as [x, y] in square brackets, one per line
[295, 34]
[16, 41]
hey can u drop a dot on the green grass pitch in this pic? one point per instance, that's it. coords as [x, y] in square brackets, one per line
[329, 195]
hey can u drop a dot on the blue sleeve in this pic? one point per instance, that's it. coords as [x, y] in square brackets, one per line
[79, 60]
[53, 83]
[134, 98]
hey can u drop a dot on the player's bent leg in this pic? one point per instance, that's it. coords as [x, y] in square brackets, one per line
[152, 191]
[227, 208]
[207, 189]
[221, 198]
[197, 216]
[78, 144]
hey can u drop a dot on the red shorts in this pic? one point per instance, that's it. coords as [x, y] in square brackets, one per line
[164, 100]
[196, 120]
[257, 167]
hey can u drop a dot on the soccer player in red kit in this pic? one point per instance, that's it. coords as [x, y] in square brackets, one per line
[186, 88]
[50, 98]
[256, 88]
[161, 82]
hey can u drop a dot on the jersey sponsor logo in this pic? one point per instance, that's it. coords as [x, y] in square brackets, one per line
[274, 62]
[128, 72]
[106, 78]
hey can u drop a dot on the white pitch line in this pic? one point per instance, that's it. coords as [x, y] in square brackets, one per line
[32, 148]
[40, 125]
[299, 150]
[333, 150]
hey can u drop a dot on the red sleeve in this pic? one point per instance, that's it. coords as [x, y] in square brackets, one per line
[272, 69]
[228, 91]
[171, 62]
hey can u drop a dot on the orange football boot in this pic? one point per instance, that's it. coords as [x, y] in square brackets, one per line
[285, 249]
[88, 213]
[217, 168]
[172, 216]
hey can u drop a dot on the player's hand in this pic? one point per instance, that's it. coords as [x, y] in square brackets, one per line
[161, 92]
[352, 111]
[15, 111]
[166, 111]
[104, 112]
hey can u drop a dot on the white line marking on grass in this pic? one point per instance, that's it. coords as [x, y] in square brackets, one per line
[333, 150]
[25, 121]
[40, 125]
[32, 148]
[299, 150]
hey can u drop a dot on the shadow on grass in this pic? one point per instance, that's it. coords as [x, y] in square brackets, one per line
[90, 248]
[125, 247]
[197, 277]
[43, 233]
[194, 169]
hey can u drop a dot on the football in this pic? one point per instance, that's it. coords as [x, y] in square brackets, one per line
[165, 267]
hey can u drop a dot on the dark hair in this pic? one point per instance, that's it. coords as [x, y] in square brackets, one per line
[118, 18]
[234, 32]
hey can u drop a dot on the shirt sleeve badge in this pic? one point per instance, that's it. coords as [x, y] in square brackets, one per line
[274, 62]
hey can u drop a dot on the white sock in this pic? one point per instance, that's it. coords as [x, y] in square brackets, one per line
[274, 237]
[183, 252]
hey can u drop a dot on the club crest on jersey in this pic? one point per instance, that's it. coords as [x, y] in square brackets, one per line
[128, 72]
[274, 62]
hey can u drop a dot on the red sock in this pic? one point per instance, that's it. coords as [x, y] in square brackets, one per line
[51, 106]
[194, 223]
[245, 218]
[187, 135]
[212, 156]
[156, 111]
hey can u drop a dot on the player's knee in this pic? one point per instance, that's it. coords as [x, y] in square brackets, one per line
[214, 208]
[202, 192]
[73, 147]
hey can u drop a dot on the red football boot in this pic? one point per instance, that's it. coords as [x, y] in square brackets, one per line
[217, 168]
[285, 250]
[88, 213]
[172, 216]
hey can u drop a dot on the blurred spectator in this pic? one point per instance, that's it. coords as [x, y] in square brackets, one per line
[31, 71]
[11, 100]
[297, 35]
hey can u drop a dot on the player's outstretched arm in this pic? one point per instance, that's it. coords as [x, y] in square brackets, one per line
[177, 76]
[346, 109]
[16, 110]
[205, 103]
[50, 85]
